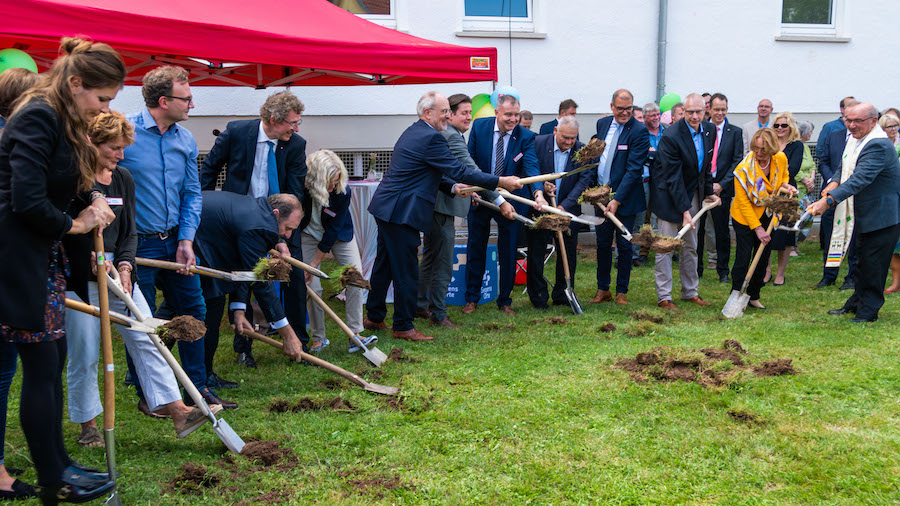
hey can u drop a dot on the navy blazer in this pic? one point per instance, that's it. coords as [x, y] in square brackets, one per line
[832, 154]
[626, 173]
[875, 187]
[335, 219]
[677, 176]
[570, 188]
[420, 164]
[731, 152]
[547, 128]
[235, 232]
[236, 148]
[519, 160]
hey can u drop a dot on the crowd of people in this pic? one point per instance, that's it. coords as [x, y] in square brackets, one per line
[70, 167]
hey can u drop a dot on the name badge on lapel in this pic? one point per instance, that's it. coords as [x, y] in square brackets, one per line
[329, 212]
[518, 157]
[622, 147]
[115, 201]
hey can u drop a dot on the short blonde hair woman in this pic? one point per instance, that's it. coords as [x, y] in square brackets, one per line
[785, 127]
[890, 124]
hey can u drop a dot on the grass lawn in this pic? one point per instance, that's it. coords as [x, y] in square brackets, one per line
[512, 410]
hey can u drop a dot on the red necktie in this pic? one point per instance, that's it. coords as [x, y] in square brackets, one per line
[716, 154]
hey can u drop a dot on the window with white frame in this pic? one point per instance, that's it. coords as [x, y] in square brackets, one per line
[811, 17]
[498, 15]
[383, 12]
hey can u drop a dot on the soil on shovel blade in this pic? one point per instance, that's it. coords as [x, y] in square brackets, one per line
[657, 243]
[181, 328]
[591, 151]
[553, 222]
[350, 276]
[272, 269]
[268, 453]
[788, 207]
[597, 195]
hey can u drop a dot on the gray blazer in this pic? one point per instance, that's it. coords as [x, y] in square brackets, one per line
[875, 187]
[451, 204]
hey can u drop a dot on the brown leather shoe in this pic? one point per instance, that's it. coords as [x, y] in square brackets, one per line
[667, 304]
[469, 308]
[423, 314]
[697, 300]
[508, 310]
[370, 325]
[411, 335]
[621, 300]
[445, 323]
[145, 409]
[601, 296]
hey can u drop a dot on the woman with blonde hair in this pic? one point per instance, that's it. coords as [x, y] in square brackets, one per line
[890, 124]
[327, 227]
[788, 134]
[759, 175]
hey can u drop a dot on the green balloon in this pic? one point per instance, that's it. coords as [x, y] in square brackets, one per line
[478, 101]
[16, 58]
[668, 100]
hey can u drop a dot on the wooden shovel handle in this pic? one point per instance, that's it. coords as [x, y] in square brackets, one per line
[175, 266]
[92, 310]
[758, 255]
[109, 377]
[297, 263]
[311, 359]
[615, 221]
[547, 209]
[562, 247]
[310, 293]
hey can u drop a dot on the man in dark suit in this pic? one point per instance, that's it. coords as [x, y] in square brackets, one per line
[678, 185]
[874, 185]
[727, 154]
[403, 206]
[436, 268]
[499, 146]
[832, 152]
[263, 157]
[235, 232]
[567, 107]
[621, 167]
[555, 154]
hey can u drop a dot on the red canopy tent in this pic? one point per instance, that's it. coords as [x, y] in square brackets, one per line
[239, 43]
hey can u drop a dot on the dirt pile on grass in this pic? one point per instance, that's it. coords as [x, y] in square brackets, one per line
[706, 366]
[375, 485]
[350, 276]
[307, 404]
[553, 222]
[181, 328]
[608, 327]
[397, 355]
[642, 316]
[268, 453]
[273, 497]
[272, 269]
[746, 417]
[193, 478]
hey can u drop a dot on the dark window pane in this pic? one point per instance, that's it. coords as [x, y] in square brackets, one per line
[364, 6]
[812, 12]
[504, 8]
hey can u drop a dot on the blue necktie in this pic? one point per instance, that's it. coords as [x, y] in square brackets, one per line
[273, 170]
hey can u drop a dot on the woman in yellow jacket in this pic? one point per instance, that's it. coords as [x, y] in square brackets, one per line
[759, 175]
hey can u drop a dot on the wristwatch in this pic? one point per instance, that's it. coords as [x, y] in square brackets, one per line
[829, 200]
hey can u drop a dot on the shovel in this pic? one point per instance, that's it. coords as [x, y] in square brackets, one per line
[536, 179]
[369, 387]
[489, 205]
[373, 354]
[796, 227]
[237, 276]
[570, 293]
[738, 300]
[707, 205]
[621, 226]
[109, 377]
[300, 265]
[587, 220]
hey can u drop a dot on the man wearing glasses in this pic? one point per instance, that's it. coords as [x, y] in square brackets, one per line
[681, 180]
[263, 157]
[163, 161]
[763, 113]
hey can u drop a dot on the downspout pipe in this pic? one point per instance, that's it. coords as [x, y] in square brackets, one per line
[661, 50]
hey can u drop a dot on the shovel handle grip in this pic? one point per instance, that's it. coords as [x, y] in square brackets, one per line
[706, 207]
[615, 221]
[311, 359]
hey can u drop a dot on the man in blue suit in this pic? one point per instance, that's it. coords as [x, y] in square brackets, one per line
[263, 157]
[874, 184]
[556, 153]
[501, 147]
[403, 206]
[567, 107]
[622, 168]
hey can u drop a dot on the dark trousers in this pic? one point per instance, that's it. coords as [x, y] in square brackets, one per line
[396, 260]
[40, 408]
[215, 308]
[293, 296]
[605, 234]
[875, 251]
[8, 357]
[537, 252]
[747, 245]
[436, 269]
[826, 227]
[476, 250]
[717, 218]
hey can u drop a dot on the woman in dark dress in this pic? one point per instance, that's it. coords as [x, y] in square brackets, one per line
[45, 158]
[788, 133]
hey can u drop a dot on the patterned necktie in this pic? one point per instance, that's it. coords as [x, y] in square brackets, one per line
[608, 154]
[716, 153]
[273, 170]
[498, 156]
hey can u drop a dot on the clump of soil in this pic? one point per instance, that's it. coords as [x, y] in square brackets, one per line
[307, 404]
[644, 237]
[181, 328]
[557, 320]
[350, 276]
[376, 485]
[398, 355]
[597, 195]
[273, 497]
[591, 151]
[498, 326]
[272, 269]
[778, 367]
[640, 315]
[332, 384]
[731, 344]
[279, 406]
[553, 222]
[745, 417]
[657, 243]
[788, 207]
[608, 327]
[640, 328]
[193, 478]
[717, 354]
[394, 403]
[268, 453]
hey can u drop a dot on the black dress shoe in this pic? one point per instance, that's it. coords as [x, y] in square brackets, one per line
[129, 379]
[849, 284]
[19, 490]
[723, 278]
[214, 381]
[863, 320]
[212, 398]
[840, 311]
[824, 282]
[246, 359]
[77, 486]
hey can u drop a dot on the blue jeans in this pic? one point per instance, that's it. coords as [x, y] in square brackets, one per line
[8, 358]
[184, 296]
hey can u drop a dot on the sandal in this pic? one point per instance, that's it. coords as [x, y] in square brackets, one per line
[90, 437]
[194, 421]
[318, 346]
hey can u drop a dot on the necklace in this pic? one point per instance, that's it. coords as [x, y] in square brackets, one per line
[766, 166]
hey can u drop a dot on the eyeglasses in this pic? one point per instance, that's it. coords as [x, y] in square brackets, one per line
[892, 126]
[186, 99]
[850, 120]
[442, 112]
[622, 109]
[780, 125]
[294, 124]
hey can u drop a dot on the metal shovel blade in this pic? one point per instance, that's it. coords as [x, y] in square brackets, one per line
[735, 305]
[381, 389]
[373, 354]
[109, 438]
[228, 436]
[573, 302]
[588, 220]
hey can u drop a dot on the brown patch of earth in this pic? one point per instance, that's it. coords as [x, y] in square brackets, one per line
[268, 453]
[497, 326]
[378, 484]
[332, 384]
[350, 276]
[182, 328]
[745, 417]
[307, 404]
[608, 327]
[193, 478]
[640, 315]
[552, 222]
[731, 344]
[398, 355]
[273, 497]
[778, 367]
